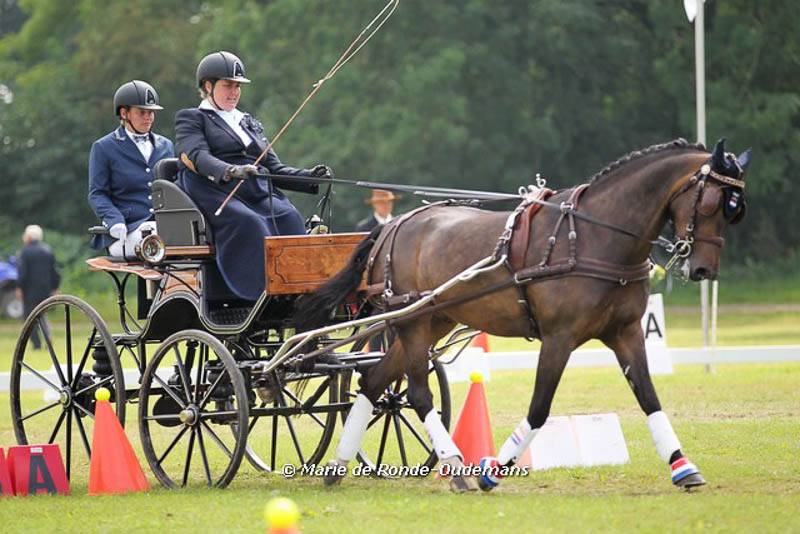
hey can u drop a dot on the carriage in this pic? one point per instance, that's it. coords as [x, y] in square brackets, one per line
[211, 379]
[229, 375]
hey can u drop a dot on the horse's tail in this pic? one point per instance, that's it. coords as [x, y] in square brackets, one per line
[316, 309]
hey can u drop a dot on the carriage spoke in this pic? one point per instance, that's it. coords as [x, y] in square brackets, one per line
[57, 427]
[299, 402]
[182, 374]
[51, 350]
[69, 443]
[207, 396]
[107, 379]
[400, 443]
[84, 357]
[162, 417]
[84, 438]
[68, 341]
[273, 446]
[86, 412]
[291, 430]
[172, 444]
[169, 391]
[199, 376]
[37, 412]
[216, 440]
[375, 420]
[40, 376]
[188, 459]
[382, 446]
[407, 423]
[203, 456]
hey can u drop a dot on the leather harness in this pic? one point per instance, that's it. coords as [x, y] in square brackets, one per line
[513, 244]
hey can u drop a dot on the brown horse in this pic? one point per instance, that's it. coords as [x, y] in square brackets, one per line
[600, 295]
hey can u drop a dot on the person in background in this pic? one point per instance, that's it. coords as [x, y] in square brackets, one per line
[121, 170]
[382, 204]
[37, 275]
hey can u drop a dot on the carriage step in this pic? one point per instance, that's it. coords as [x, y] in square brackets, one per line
[228, 316]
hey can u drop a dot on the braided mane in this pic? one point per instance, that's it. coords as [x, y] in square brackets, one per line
[679, 143]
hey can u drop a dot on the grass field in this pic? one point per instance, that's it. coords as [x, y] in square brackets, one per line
[740, 425]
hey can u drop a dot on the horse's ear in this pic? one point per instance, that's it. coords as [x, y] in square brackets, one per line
[718, 157]
[744, 158]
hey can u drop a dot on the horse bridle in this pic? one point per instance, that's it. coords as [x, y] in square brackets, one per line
[683, 246]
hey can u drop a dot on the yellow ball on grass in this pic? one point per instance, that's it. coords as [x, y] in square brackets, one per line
[281, 513]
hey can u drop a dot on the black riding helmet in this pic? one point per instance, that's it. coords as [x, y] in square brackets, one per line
[220, 66]
[136, 93]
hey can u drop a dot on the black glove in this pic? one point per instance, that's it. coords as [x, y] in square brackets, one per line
[318, 171]
[241, 172]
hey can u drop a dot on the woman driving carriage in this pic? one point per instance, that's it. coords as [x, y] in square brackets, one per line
[120, 170]
[218, 145]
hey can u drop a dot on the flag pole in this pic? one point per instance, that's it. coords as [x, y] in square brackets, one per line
[700, 98]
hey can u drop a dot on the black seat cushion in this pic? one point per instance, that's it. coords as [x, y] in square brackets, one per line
[179, 221]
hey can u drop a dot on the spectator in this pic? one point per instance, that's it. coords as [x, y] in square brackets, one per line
[37, 275]
[382, 204]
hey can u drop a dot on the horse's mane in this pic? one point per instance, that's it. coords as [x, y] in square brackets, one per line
[679, 143]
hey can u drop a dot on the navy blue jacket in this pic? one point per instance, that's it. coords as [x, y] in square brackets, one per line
[37, 274]
[120, 179]
[212, 146]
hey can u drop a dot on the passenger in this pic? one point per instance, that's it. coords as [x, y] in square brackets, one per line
[121, 170]
[218, 145]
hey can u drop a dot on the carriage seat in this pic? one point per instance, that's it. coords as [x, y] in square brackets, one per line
[180, 222]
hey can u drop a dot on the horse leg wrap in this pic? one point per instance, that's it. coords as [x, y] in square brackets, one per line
[663, 436]
[682, 468]
[511, 451]
[354, 428]
[519, 440]
[442, 442]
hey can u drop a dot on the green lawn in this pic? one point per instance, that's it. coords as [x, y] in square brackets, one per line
[741, 426]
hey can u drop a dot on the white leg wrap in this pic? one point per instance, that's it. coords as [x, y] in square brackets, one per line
[442, 442]
[663, 436]
[519, 440]
[354, 428]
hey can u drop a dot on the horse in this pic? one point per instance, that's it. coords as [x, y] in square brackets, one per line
[585, 281]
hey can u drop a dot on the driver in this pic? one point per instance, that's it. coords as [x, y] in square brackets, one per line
[218, 145]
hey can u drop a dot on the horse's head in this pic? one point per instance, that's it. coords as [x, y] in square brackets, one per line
[701, 210]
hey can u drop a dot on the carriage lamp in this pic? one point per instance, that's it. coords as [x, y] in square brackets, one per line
[152, 249]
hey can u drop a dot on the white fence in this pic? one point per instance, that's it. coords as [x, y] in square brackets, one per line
[504, 361]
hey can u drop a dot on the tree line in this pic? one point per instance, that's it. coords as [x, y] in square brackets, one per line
[460, 93]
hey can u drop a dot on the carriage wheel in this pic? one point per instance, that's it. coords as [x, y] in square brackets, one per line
[192, 394]
[310, 429]
[68, 331]
[395, 435]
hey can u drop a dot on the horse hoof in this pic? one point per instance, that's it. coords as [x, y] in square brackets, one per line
[490, 473]
[685, 474]
[332, 480]
[691, 482]
[463, 484]
[334, 473]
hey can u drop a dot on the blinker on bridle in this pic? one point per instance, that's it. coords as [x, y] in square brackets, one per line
[683, 247]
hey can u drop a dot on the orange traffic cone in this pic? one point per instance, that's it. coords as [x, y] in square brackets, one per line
[114, 467]
[481, 341]
[473, 432]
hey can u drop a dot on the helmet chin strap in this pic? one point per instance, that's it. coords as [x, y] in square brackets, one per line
[127, 121]
[212, 100]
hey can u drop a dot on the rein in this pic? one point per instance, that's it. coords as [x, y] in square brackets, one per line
[545, 269]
